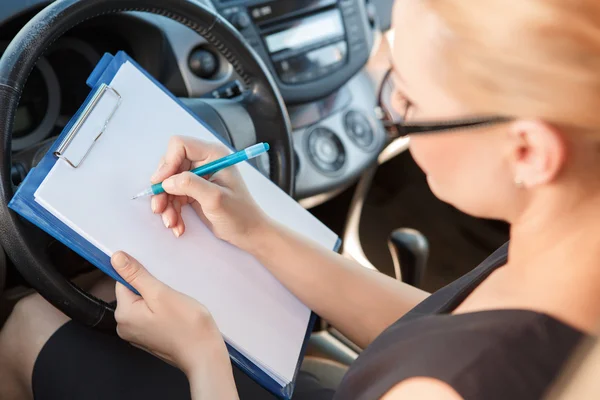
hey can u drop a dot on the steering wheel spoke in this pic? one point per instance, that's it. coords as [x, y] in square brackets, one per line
[226, 117]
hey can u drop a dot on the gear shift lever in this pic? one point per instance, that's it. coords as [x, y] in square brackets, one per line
[410, 250]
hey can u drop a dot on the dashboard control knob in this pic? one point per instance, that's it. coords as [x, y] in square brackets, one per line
[240, 20]
[203, 63]
[359, 129]
[326, 150]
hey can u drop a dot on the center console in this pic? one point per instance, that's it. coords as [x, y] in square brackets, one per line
[312, 47]
[316, 51]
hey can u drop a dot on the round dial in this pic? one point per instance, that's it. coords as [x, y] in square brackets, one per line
[325, 150]
[359, 129]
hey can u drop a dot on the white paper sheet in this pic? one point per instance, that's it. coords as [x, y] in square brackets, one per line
[255, 313]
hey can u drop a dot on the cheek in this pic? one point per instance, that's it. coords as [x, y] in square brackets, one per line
[439, 160]
[461, 172]
[431, 153]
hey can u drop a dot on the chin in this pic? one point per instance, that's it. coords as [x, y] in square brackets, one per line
[434, 188]
[439, 194]
[464, 205]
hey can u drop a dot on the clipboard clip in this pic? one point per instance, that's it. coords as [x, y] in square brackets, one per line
[77, 127]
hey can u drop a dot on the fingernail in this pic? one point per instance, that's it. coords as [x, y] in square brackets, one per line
[120, 260]
[166, 221]
[177, 231]
[153, 204]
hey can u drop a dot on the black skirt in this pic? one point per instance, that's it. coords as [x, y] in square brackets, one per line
[81, 363]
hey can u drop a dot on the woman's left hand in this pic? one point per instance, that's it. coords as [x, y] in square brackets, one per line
[169, 324]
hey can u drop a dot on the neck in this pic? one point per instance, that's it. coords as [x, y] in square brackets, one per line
[555, 247]
[557, 229]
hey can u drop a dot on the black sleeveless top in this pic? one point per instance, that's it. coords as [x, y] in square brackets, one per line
[488, 355]
[499, 354]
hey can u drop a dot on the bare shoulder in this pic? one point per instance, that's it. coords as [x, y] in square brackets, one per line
[423, 389]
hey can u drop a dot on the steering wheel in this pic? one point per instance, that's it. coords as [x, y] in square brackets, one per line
[24, 243]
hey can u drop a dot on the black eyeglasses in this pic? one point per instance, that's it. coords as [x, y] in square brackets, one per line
[394, 118]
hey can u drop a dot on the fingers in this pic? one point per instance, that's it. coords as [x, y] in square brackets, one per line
[170, 215]
[129, 307]
[159, 203]
[124, 295]
[135, 274]
[206, 193]
[179, 228]
[182, 148]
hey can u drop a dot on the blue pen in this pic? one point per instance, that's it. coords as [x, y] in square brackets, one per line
[214, 166]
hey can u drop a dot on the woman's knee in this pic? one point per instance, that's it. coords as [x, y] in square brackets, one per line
[30, 325]
[32, 322]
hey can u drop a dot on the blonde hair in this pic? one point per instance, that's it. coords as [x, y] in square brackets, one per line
[523, 58]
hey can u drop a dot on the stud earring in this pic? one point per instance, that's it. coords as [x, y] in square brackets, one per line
[519, 183]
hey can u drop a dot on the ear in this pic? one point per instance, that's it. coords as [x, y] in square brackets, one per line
[538, 152]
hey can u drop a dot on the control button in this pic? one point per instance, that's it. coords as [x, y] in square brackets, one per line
[229, 11]
[241, 20]
[261, 11]
[359, 129]
[203, 63]
[256, 13]
[284, 65]
[325, 150]
[227, 91]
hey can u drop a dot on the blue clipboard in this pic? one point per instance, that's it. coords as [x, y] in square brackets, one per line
[24, 204]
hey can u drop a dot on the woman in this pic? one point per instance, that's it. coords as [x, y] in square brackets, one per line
[509, 93]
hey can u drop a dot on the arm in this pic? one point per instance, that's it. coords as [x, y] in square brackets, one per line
[211, 377]
[359, 302]
[175, 328]
[422, 388]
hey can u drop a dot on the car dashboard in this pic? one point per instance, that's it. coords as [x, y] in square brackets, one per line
[316, 51]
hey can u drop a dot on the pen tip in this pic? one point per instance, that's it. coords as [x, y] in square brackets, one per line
[134, 197]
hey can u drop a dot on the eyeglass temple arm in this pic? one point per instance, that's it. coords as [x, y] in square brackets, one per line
[432, 127]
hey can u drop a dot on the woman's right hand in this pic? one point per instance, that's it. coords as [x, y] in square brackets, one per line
[222, 201]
